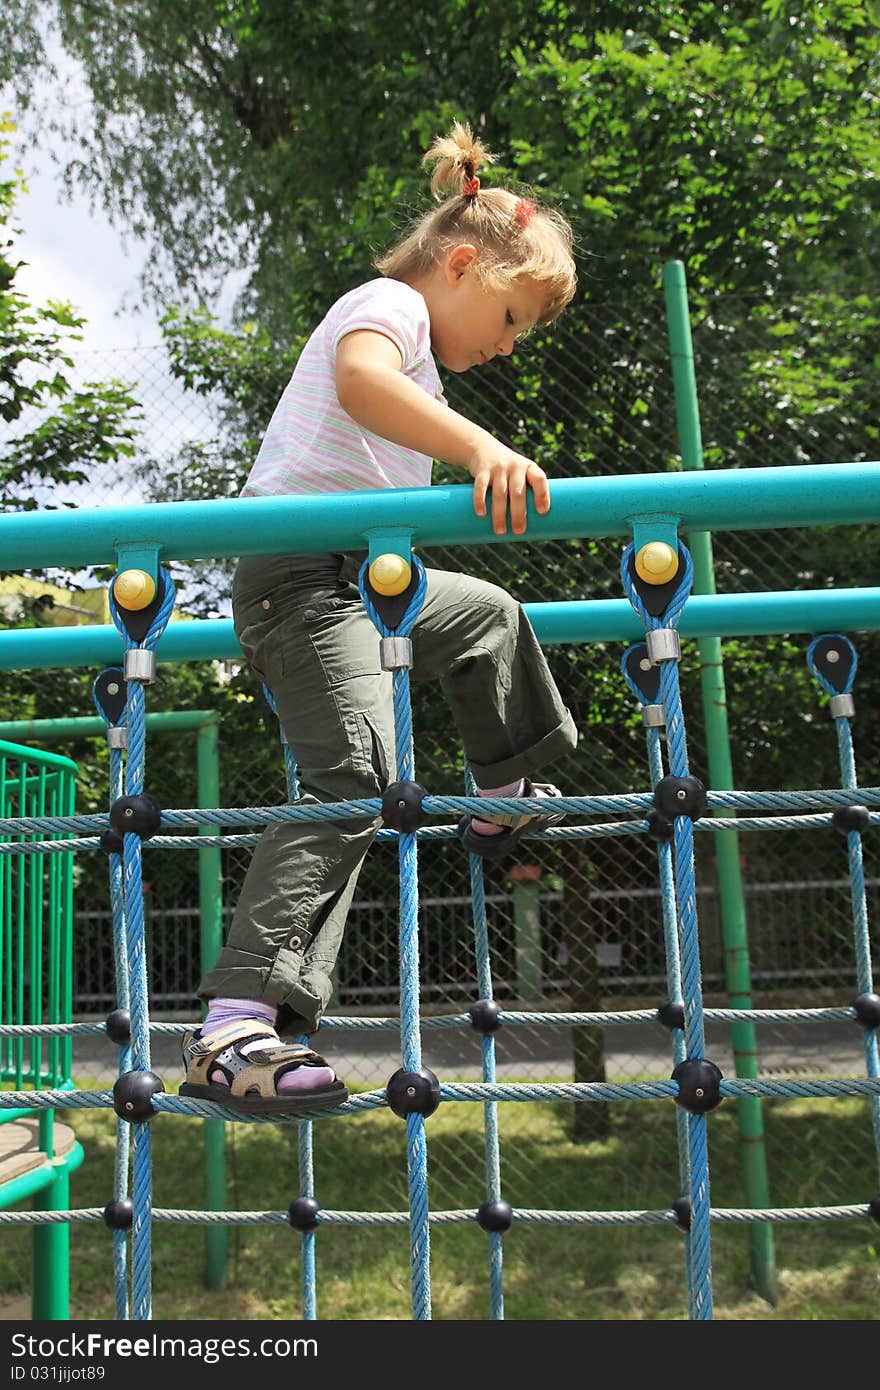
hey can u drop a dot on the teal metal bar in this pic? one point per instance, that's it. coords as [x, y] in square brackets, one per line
[87, 726]
[724, 500]
[730, 883]
[600, 620]
[25, 1186]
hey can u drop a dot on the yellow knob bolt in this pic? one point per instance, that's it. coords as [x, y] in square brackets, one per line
[134, 589]
[390, 574]
[657, 563]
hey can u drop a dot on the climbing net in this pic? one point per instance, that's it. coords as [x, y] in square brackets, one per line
[676, 806]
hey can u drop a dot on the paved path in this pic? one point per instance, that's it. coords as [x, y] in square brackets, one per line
[534, 1054]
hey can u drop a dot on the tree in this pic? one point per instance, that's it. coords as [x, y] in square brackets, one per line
[77, 428]
[285, 138]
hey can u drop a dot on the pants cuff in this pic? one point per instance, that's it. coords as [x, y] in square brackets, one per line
[560, 740]
[299, 1009]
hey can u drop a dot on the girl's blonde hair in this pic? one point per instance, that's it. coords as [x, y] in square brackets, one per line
[517, 239]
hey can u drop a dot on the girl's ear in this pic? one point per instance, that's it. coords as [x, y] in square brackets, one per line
[458, 260]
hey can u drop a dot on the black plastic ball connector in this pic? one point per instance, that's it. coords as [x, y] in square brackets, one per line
[118, 1026]
[671, 1014]
[413, 1092]
[680, 796]
[495, 1216]
[303, 1214]
[137, 815]
[402, 806]
[133, 1095]
[682, 1208]
[485, 1016]
[111, 841]
[874, 1208]
[867, 1007]
[119, 1214]
[699, 1085]
[657, 826]
[847, 818]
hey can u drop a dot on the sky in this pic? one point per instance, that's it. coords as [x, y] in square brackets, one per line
[73, 252]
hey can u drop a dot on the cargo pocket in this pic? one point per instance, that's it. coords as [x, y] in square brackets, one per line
[377, 760]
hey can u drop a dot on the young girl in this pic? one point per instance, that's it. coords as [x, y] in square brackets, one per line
[364, 410]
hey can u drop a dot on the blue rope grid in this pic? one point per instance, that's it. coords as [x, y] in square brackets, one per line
[801, 810]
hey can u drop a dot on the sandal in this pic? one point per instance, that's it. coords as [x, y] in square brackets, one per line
[253, 1077]
[497, 846]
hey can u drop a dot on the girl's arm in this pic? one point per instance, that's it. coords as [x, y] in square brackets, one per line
[373, 390]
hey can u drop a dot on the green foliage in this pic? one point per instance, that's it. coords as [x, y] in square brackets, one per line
[80, 428]
[739, 138]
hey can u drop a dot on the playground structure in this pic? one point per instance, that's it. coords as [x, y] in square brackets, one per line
[652, 512]
[37, 1155]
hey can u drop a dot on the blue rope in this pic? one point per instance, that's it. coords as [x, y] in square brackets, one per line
[135, 714]
[672, 953]
[491, 1149]
[698, 1239]
[858, 894]
[370, 808]
[411, 1047]
[845, 686]
[307, 1189]
[305, 1146]
[123, 1136]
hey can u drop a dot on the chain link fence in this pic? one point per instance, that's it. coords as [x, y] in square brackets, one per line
[576, 925]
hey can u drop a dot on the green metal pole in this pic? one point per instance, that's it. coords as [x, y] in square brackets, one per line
[527, 940]
[51, 1295]
[211, 917]
[730, 885]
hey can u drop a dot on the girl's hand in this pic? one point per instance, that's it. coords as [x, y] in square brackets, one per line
[373, 390]
[508, 475]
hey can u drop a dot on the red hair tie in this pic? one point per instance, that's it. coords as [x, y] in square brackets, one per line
[472, 187]
[523, 213]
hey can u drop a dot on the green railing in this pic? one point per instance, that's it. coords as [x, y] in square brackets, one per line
[36, 972]
[205, 725]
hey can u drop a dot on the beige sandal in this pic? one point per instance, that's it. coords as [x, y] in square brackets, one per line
[253, 1077]
[515, 823]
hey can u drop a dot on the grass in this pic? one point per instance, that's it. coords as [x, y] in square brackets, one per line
[825, 1271]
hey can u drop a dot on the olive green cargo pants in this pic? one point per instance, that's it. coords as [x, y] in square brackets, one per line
[303, 628]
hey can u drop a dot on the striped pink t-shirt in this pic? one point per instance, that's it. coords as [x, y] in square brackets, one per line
[312, 444]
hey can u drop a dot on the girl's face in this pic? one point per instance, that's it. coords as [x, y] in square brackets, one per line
[471, 321]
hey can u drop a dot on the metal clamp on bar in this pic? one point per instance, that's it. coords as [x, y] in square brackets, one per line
[842, 706]
[653, 716]
[663, 644]
[117, 737]
[395, 652]
[140, 665]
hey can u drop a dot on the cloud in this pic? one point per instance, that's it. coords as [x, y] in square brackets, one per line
[74, 253]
